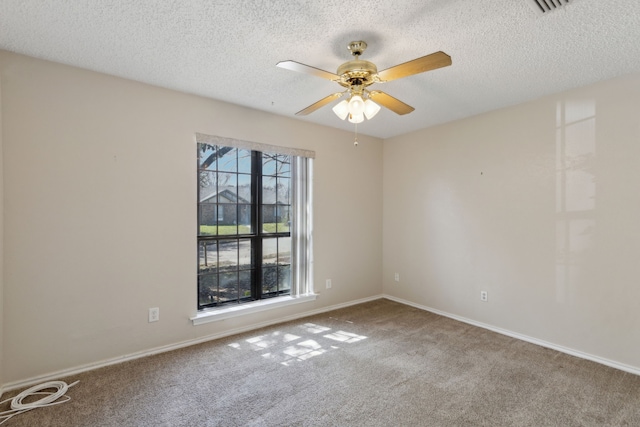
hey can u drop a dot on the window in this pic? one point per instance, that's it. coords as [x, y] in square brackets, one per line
[254, 239]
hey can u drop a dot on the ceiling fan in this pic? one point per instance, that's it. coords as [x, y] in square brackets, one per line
[356, 75]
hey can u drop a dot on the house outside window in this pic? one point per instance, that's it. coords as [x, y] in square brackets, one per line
[254, 239]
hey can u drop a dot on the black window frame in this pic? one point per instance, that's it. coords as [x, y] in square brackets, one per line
[256, 237]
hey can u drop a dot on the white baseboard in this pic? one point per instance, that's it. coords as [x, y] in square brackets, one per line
[542, 343]
[162, 349]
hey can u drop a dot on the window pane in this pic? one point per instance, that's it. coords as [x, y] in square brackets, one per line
[245, 283]
[244, 254]
[208, 257]
[283, 219]
[227, 191]
[269, 251]
[244, 161]
[269, 280]
[228, 161]
[244, 188]
[284, 166]
[228, 224]
[244, 219]
[268, 190]
[284, 278]
[207, 186]
[268, 164]
[208, 215]
[284, 250]
[228, 286]
[269, 213]
[228, 255]
[283, 192]
[207, 289]
[207, 155]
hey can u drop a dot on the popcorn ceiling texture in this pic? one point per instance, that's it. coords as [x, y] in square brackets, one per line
[503, 52]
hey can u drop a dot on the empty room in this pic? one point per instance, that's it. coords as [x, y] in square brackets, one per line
[297, 213]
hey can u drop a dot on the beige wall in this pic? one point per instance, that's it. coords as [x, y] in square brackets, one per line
[100, 211]
[1, 248]
[537, 204]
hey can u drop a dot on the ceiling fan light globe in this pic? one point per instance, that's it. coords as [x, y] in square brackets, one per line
[356, 118]
[341, 109]
[356, 105]
[370, 109]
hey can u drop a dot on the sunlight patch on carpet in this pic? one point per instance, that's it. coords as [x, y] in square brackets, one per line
[282, 348]
[347, 337]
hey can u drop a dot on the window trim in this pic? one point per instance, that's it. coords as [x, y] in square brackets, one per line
[229, 311]
[253, 146]
[302, 289]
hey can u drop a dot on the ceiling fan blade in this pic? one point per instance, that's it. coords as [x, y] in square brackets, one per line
[308, 69]
[324, 101]
[419, 65]
[390, 102]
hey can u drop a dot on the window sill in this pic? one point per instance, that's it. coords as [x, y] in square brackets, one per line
[216, 314]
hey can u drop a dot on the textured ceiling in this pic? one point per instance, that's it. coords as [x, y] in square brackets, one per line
[503, 52]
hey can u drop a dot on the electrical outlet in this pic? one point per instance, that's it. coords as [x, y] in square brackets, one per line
[397, 277]
[328, 283]
[484, 296]
[154, 314]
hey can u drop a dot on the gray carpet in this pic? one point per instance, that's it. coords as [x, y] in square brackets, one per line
[374, 364]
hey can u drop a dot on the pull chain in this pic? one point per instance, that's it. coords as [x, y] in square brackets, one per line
[355, 143]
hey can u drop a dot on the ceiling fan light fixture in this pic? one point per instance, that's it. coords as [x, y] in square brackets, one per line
[356, 105]
[342, 109]
[356, 118]
[370, 109]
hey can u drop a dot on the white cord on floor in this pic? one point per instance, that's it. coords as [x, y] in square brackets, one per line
[51, 398]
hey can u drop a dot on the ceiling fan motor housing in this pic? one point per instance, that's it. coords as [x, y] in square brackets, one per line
[357, 73]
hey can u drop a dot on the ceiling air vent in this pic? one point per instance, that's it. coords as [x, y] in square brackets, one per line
[546, 6]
